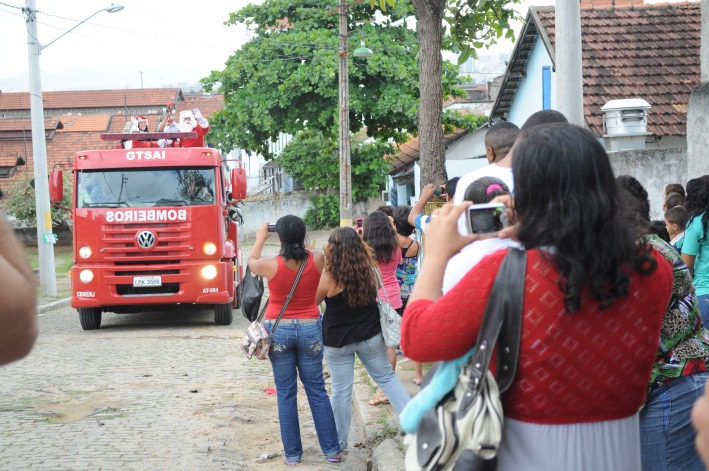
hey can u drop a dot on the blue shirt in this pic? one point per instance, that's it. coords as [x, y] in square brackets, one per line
[700, 249]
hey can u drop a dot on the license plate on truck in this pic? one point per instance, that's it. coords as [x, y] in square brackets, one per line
[143, 281]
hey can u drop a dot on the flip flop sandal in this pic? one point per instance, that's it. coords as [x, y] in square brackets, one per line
[376, 400]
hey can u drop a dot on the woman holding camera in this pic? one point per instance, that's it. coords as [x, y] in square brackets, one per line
[594, 301]
[297, 344]
[351, 325]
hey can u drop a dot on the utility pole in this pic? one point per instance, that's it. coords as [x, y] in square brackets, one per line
[569, 78]
[141, 78]
[45, 237]
[344, 147]
[47, 275]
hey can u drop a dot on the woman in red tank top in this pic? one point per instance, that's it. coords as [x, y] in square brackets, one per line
[297, 344]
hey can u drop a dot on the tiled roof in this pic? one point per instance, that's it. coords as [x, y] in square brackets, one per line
[85, 123]
[409, 151]
[649, 52]
[208, 105]
[26, 124]
[93, 98]
[60, 148]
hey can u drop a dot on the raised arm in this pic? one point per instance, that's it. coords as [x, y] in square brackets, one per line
[426, 195]
[18, 321]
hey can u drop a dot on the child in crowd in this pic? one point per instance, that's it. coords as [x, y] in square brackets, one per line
[672, 200]
[676, 221]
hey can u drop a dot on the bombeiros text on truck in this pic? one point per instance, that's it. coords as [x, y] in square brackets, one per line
[154, 228]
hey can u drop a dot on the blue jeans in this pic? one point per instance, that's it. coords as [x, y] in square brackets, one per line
[666, 432]
[340, 361]
[297, 350]
[703, 303]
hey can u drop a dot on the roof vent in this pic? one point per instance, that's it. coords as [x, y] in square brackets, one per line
[625, 124]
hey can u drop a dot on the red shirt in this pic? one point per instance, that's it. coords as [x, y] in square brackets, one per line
[588, 366]
[302, 304]
[391, 284]
[198, 141]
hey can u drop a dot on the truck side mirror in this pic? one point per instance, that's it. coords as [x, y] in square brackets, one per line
[238, 183]
[56, 186]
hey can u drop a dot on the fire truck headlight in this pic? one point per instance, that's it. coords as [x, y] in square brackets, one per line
[209, 248]
[209, 272]
[85, 251]
[86, 276]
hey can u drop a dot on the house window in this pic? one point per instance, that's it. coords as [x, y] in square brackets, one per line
[546, 87]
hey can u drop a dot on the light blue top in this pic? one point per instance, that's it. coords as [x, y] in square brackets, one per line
[700, 249]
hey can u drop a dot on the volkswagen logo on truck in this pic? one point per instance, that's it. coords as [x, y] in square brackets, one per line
[145, 240]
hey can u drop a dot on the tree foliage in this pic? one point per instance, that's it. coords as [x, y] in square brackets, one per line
[19, 199]
[285, 80]
[474, 24]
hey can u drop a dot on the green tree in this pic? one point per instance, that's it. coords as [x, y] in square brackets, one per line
[285, 81]
[19, 199]
[473, 24]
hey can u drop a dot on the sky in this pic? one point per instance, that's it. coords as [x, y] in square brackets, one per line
[150, 43]
[169, 41]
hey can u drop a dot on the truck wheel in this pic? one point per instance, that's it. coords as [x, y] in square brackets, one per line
[223, 314]
[90, 317]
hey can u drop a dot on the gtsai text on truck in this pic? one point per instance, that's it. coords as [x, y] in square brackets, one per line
[154, 229]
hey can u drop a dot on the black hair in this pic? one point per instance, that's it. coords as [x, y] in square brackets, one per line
[291, 232]
[674, 199]
[387, 209]
[566, 198]
[695, 196]
[501, 137]
[485, 189]
[677, 215]
[697, 202]
[379, 234]
[638, 192]
[450, 187]
[659, 229]
[401, 220]
[544, 117]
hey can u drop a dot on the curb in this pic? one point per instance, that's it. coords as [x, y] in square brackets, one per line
[43, 308]
[375, 421]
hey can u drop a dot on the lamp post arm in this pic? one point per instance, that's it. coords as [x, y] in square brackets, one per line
[42, 47]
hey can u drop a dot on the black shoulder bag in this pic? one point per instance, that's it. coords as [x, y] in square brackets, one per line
[464, 430]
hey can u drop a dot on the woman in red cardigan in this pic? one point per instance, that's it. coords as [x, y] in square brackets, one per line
[593, 306]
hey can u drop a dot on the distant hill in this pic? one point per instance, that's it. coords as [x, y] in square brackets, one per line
[79, 78]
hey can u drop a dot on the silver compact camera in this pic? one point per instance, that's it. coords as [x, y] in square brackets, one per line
[488, 218]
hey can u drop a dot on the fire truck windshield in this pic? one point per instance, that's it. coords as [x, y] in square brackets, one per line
[145, 188]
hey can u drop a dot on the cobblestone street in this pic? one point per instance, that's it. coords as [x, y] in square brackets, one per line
[145, 392]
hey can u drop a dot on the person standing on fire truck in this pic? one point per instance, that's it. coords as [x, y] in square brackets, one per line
[193, 121]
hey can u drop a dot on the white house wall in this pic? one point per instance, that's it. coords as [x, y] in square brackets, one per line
[528, 98]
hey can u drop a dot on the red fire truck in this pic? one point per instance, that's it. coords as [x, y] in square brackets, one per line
[154, 228]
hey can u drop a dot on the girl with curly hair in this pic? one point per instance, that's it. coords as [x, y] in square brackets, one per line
[351, 325]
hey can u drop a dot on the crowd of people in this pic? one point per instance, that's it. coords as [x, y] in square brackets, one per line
[613, 352]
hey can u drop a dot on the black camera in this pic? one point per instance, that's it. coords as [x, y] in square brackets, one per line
[271, 228]
[439, 191]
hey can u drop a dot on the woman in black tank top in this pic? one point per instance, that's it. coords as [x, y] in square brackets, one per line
[351, 325]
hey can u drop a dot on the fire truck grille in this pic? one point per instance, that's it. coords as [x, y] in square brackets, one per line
[173, 241]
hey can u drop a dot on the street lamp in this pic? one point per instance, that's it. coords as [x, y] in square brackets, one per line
[45, 238]
[344, 104]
